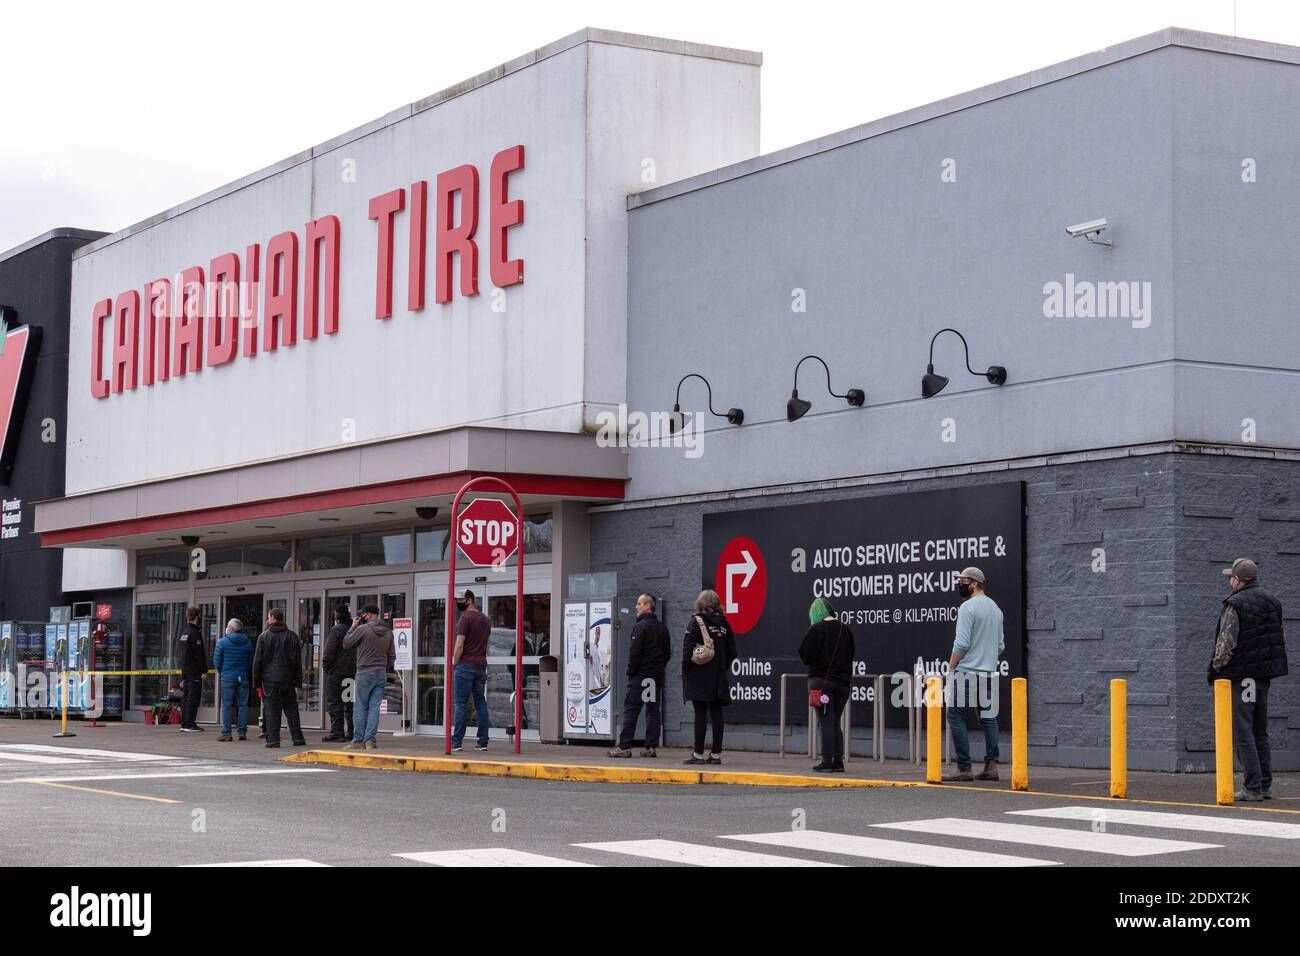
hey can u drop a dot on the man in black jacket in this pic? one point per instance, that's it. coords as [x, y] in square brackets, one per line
[277, 670]
[647, 659]
[1250, 650]
[194, 664]
[340, 666]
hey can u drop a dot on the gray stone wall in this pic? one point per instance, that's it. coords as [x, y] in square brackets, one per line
[1231, 507]
[1163, 524]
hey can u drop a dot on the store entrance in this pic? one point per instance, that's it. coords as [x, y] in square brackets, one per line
[496, 596]
[391, 599]
[248, 609]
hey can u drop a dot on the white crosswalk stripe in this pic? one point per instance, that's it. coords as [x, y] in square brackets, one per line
[893, 851]
[697, 854]
[929, 848]
[1089, 841]
[198, 772]
[1231, 826]
[491, 856]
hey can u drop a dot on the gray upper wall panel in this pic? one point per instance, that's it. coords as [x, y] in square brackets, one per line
[1151, 135]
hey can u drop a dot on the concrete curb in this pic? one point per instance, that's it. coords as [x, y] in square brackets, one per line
[590, 773]
[579, 772]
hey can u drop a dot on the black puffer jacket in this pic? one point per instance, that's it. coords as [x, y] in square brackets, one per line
[194, 656]
[278, 658]
[650, 648]
[828, 651]
[709, 683]
[338, 662]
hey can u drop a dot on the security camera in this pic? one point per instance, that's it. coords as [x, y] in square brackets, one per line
[1090, 230]
[426, 514]
[189, 540]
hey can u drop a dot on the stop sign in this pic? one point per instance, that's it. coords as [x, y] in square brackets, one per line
[486, 533]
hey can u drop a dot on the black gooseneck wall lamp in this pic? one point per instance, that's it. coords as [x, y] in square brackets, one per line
[797, 407]
[932, 384]
[677, 420]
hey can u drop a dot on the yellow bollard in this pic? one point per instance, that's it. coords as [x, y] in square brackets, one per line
[1223, 742]
[1119, 739]
[1019, 734]
[934, 730]
[63, 685]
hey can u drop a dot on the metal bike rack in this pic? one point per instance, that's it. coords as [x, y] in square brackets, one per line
[877, 720]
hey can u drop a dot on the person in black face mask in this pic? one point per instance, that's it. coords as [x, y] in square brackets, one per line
[973, 666]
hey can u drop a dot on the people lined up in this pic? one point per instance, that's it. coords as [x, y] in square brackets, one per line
[1249, 651]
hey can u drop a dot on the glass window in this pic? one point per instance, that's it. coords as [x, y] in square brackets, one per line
[156, 630]
[309, 632]
[223, 563]
[431, 544]
[382, 547]
[268, 557]
[537, 624]
[162, 567]
[537, 533]
[323, 554]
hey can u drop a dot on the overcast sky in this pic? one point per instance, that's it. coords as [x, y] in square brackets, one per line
[111, 112]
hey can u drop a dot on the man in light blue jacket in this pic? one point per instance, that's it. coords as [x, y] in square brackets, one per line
[973, 671]
[232, 660]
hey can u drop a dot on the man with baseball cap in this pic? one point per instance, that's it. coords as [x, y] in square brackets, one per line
[469, 672]
[1250, 650]
[974, 663]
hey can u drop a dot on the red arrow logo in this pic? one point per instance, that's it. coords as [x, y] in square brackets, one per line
[12, 366]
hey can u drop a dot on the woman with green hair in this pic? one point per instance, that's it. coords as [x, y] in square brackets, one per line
[827, 650]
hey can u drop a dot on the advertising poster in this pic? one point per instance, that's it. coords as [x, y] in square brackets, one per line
[403, 630]
[79, 650]
[600, 651]
[575, 668]
[7, 658]
[887, 564]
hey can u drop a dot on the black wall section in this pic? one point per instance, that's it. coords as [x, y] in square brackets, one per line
[35, 280]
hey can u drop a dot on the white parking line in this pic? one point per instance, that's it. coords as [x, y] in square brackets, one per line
[38, 758]
[491, 856]
[697, 855]
[297, 862]
[895, 851]
[86, 752]
[193, 773]
[1234, 826]
[1087, 840]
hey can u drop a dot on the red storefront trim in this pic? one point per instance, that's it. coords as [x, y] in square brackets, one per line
[551, 486]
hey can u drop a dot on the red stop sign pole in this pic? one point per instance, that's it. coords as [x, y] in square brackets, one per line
[480, 546]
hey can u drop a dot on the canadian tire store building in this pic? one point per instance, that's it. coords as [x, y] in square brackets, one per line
[278, 387]
[1144, 433]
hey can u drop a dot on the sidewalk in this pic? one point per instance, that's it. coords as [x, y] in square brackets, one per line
[590, 763]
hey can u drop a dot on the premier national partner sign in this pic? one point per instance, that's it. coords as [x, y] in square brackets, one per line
[887, 564]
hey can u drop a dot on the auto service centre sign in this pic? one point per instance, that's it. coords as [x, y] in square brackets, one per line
[887, 564]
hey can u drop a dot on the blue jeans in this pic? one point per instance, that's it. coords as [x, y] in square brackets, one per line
[365, 708]
[470, 678]
[961, 739]
[234, 695]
